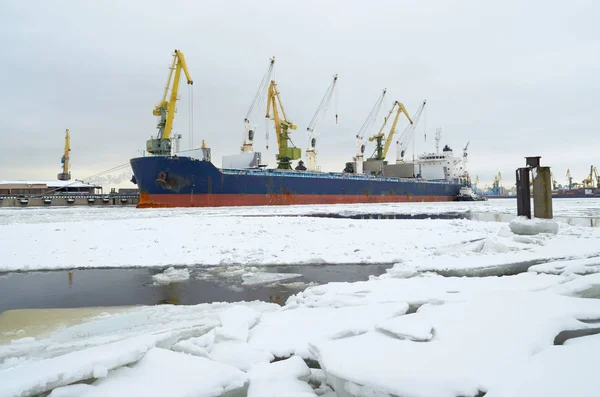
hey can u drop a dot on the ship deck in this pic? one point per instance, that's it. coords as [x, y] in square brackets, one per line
[324, 175]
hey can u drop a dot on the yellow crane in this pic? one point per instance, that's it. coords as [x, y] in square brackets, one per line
[554, 187]
[65, 175]
[161, 145]
[569, 179]
[381, 150]
[592, 179]
[283, 129]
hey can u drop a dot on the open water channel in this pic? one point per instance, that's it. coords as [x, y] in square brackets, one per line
[126, 287]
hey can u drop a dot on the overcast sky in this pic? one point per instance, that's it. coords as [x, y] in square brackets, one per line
[515, 78]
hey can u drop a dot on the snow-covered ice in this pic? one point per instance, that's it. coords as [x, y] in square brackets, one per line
[267, 278]
[469, 307]
[171, 275]
[289, 332]
[270, 240]
[523, 225]
[478, 343]
[165, 373]
[282, 378]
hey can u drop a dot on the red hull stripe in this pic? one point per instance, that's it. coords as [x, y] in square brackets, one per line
[226, 200]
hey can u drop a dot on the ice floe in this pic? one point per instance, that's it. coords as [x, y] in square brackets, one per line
[171, 275]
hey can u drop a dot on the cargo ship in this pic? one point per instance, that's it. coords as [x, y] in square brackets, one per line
[168, 180]
[189, 182]
[577, 193]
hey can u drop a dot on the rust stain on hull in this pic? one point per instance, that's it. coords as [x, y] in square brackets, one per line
[231, 200]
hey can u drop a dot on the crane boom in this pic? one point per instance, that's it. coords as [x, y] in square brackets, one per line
[249, 129]
[282, 129]
[407, 135]
[161, 145]
[311, 152]
[65, 175]
[381, 151]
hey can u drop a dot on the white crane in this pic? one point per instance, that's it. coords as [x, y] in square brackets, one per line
[311, 152]
[259, 98]
[360, 143]
[407, 135]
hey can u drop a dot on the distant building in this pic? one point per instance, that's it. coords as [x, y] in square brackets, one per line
[11, 188]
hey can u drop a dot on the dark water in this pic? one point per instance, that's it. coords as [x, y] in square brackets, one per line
[474, 216]
[116, 287]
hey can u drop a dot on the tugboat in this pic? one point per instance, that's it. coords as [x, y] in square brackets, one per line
[466, 194]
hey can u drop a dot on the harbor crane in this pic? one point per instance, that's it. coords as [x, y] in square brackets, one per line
[360, 143]
[592, 179]
[381, 149]
[569, 179]
[65, 175]
[161, 145]
[407, 135]
[283, 128]
[465, 155]
[496, 184]
[311, 152]
[250, 129]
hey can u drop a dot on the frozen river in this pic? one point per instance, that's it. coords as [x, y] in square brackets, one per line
[420, 299]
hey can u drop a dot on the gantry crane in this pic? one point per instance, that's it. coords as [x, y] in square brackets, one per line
[161, 145]
[360, 144]
[249, 129]
[381, 149]
[554, 185]
[407, 135]
[65, 175]
[597, 177]
[311, 152]
[283, 129]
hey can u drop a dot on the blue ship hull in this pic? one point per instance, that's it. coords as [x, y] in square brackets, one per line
[188, 182]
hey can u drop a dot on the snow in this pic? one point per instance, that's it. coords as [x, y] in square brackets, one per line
[165, 373]
[523, 225]
[289, 332]
[474, 341]
[94, 362]
[573, 266]
[138, 239]
[469, 306]
[411, 327]
[282, 378]
[568, 370]
[171, 275]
